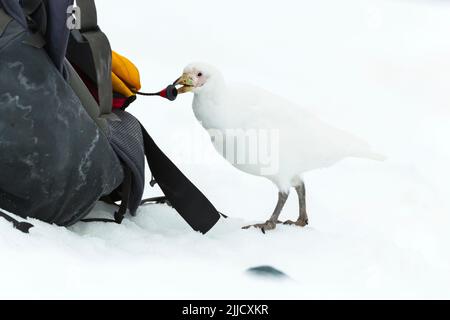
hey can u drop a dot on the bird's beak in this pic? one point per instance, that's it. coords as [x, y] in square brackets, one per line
[186, 82]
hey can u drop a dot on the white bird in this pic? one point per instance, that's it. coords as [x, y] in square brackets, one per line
[281, 140]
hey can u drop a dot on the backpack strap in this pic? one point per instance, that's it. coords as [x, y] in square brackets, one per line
[181, 193]
[89, 48]
[21, 226]
[125, 195]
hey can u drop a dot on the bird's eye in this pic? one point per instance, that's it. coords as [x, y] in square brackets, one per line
[199, 74]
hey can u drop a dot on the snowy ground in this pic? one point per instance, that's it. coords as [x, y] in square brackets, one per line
[379, 69]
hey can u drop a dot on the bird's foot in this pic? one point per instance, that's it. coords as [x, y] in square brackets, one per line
[268, 225]
[299, 223]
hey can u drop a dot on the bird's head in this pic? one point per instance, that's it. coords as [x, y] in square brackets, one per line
[199, 77]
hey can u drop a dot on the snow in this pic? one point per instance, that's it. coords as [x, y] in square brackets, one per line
[378, 69]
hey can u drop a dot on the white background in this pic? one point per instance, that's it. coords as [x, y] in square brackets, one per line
[379, 69]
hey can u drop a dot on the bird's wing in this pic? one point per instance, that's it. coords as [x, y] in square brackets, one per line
[259, 108]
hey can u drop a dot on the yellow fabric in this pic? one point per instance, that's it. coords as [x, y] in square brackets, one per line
[120, 87]
[125, 76]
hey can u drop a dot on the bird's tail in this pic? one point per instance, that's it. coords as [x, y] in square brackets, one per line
[356, 147]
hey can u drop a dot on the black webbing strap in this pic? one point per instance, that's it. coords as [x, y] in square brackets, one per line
[100, 50]
[21, 226]
[181, 193]
[126, 191]
[88, 19]
[163, 200]
[102, 56]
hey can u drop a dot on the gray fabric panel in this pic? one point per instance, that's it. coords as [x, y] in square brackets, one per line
[35, 40]
[4, 21]
[12, 31]
[36, 11]
[110, 117]
[126, 140]
[13, 9]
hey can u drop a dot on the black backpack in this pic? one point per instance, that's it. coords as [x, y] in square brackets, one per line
[61, 149]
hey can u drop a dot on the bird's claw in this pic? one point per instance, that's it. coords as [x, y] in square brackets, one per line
[299, 223]
[268, 225]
